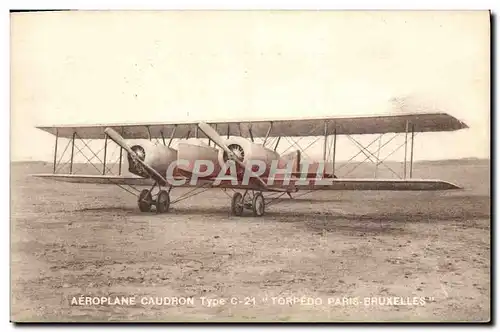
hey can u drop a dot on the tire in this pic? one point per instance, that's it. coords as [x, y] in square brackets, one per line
[162, 202]
[145, 201]
[258, 205]
[237, 204]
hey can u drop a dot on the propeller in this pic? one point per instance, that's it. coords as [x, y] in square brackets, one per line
[118, 139]
[217, 139]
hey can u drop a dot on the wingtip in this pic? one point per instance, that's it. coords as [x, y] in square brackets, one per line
[452, 186]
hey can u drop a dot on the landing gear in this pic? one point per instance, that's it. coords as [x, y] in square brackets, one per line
[250, 201]
[237, 204]
[145, 200]
[258, 205]
[161, 201]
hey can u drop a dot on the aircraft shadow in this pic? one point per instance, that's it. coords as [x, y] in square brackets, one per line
[288, 216]
[356, 225]
[309, 200]
[312, 222]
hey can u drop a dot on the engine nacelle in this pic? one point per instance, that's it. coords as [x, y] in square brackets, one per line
[247, 151]
[159, 157]
[192, 150]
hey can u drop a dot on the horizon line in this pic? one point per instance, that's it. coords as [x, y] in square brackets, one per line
[337, 161]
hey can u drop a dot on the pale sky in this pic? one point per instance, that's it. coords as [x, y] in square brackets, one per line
[115, 67]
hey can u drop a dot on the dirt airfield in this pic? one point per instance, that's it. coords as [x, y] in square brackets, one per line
[416, 256]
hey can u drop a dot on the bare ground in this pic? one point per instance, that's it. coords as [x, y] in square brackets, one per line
[69, 240]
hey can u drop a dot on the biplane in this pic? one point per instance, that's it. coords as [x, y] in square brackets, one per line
[232, 147]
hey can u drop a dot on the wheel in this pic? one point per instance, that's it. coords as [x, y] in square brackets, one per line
[145, 201]
[258, 205]
[237, 204]
[162, 202]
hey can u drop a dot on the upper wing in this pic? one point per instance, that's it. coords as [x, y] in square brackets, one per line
[341, 125]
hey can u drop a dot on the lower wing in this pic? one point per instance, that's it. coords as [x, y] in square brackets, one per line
[278, 185]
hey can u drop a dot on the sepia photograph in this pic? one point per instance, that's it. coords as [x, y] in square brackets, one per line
[250, 166]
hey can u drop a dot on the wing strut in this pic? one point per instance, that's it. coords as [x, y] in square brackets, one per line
[105, 154]
[55, 151]
[268, 132]
[406, 149]
[72, 153]
[411, 149]
[172, 136]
